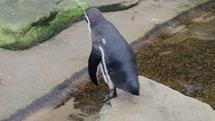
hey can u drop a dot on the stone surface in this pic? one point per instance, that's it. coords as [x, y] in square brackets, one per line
[31, 22]
[29, 74]
[202, 31]
[24, 23]
[112, 5]
[155, 103]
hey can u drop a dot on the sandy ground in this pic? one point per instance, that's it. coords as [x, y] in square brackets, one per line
[29, 74]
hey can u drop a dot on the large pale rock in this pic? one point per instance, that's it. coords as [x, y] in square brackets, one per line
[156, 103]
[25, 23]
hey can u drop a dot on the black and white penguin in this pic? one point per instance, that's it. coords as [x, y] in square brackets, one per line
[112, 54]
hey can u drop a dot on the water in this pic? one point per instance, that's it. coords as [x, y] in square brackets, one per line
[84, 106]
[185, 61]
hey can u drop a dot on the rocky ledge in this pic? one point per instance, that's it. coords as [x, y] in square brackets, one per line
[155, 103]
[26, 23]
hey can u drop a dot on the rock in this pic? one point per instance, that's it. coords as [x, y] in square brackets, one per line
[203, 31]
[32, 22]
[198, 30]
[156, 103]
[25, 23]
[112, 5]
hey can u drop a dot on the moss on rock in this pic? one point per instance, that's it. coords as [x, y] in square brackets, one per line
[24, 27]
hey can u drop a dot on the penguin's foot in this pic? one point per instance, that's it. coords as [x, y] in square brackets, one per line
[112, 94]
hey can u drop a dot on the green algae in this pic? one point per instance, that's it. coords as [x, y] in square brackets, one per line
[24, 27]
[24, 24]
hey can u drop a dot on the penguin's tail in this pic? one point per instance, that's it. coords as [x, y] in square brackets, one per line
[133, 88]
[134, 92]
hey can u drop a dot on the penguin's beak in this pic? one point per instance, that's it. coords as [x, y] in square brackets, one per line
[85, 17]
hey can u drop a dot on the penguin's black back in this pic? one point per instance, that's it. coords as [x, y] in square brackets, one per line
[119, 57]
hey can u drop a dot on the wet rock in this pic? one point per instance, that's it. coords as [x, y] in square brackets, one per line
[26, 23]
[45, 67]
[112, 5]
[156, 103]
[203, 30]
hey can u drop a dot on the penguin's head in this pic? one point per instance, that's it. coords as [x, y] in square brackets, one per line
[93, 15]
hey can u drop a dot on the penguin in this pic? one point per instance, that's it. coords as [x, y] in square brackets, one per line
[112, 54]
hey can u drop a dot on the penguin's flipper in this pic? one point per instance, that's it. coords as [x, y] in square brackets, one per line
[93, 62]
